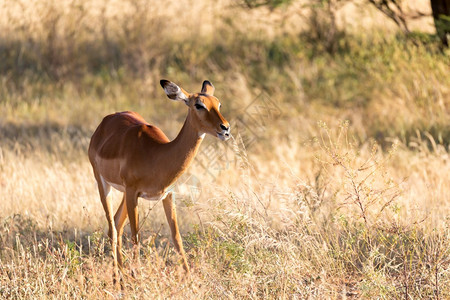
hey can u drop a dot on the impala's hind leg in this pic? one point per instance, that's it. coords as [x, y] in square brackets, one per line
[131, 202]
[119, 218]
[171, 214]
[105, 196]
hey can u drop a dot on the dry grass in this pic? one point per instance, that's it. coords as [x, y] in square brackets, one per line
[292, 208]
[282, 228]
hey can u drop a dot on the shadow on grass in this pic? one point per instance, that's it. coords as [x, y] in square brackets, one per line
[21, 234]
[49, 138]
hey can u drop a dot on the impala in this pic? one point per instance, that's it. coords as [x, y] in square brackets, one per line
[138, 159]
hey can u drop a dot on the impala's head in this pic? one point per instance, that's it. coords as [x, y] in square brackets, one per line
[205, 108]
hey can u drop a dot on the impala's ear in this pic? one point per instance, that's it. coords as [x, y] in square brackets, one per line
[173, 91]
[208, 88]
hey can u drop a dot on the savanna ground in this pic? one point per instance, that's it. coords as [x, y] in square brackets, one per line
[334, 185]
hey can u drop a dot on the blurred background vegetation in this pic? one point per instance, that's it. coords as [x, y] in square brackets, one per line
[68, 63]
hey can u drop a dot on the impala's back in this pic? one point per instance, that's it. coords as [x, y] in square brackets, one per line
[114, 138]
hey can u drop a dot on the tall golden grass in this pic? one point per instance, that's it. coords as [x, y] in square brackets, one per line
[299, 204]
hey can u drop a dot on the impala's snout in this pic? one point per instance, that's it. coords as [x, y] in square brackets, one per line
[225, 133]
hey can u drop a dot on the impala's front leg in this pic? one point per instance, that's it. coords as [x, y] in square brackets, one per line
[171, 214]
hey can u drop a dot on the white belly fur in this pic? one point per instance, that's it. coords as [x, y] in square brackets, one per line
[117, 187]
[106, 184]
[142, 195]
[154, 198]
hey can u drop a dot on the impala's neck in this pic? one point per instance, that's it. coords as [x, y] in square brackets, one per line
[183, 148]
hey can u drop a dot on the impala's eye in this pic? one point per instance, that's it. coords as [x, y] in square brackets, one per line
[199, 106]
